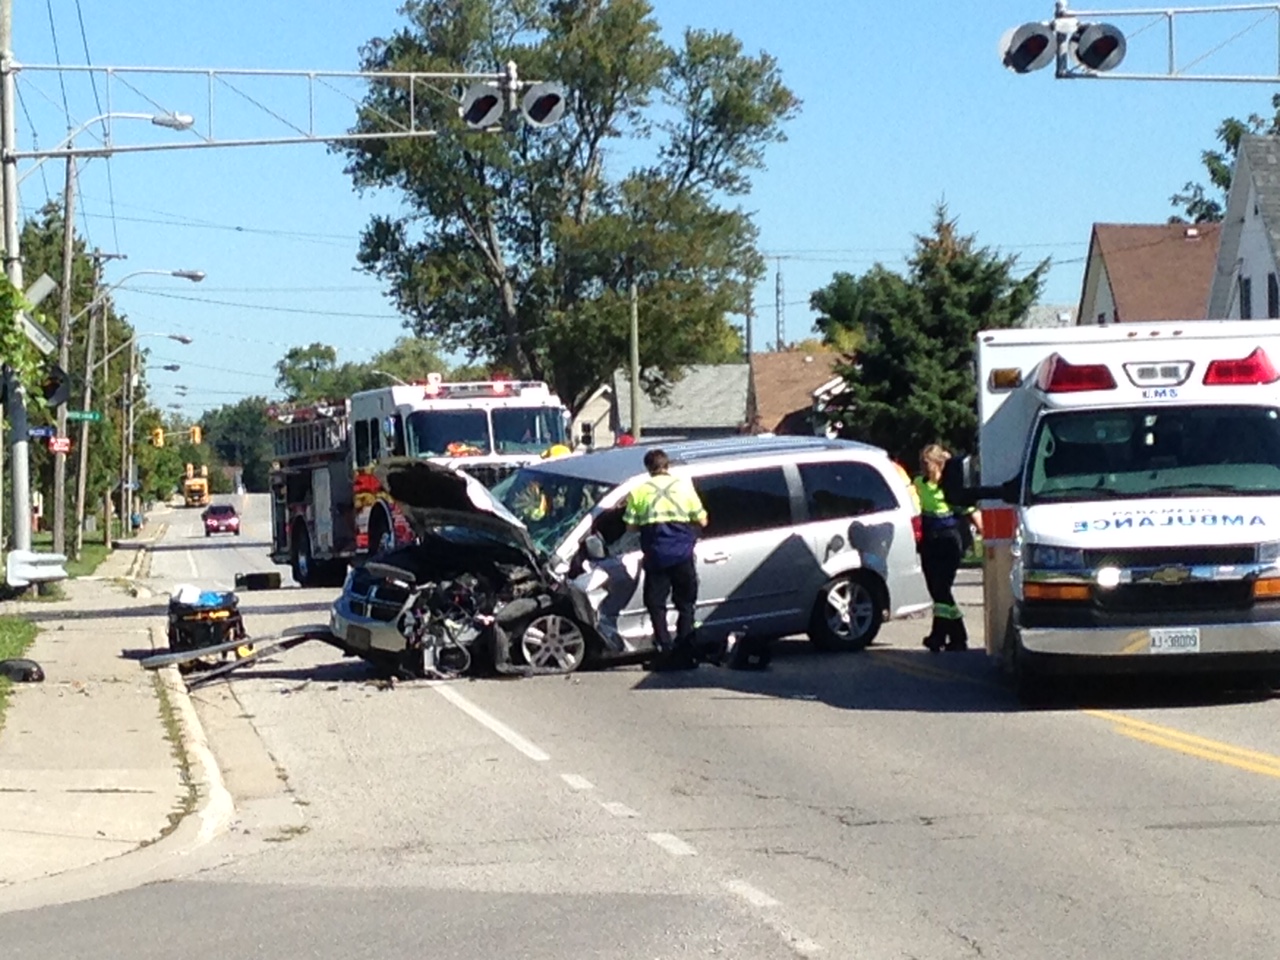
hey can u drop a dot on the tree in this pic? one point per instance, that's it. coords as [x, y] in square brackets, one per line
[911, 383]
[1201, 204]
[239, 436]
[410, 358]
[519, 246]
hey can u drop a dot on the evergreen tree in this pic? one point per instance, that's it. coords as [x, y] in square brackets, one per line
[912, 381]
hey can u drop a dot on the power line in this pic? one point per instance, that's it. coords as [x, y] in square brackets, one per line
[257, 306]
[97, 101]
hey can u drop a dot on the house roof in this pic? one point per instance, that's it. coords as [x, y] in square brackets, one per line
[1158, 271]
[784, 383]
[708, 396]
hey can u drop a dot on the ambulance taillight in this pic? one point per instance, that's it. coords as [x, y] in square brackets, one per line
[1253, 370]
[1058, 376]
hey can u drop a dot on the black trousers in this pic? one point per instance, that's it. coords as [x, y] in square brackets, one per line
[680, 584]
[940, 555]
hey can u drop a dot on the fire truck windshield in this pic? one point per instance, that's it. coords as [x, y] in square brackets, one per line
[527, 429]
[448, 433]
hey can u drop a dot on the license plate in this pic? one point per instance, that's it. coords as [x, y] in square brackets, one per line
[358, 636]
[1175, 640]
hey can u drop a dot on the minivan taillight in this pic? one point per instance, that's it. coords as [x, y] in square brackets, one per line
[917, 528]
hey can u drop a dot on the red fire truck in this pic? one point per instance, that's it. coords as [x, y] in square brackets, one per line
[328, 510]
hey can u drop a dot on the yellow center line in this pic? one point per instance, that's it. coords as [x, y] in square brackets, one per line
[1255, 761]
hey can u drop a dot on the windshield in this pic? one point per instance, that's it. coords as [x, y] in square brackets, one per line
[527, 429]
[549, 505]
[1155, 452]
[448, 433]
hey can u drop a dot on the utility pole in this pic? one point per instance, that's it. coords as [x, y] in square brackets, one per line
[635, 358]
[780, 305]
[20, 466]
[64, 354]
[751, 319]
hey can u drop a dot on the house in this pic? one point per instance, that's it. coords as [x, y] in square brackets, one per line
[1046, 315]
[789, 391]
[1141, 271]
[1244, 283]
[709, 400]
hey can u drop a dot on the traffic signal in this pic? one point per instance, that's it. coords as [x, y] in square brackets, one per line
[157, 437]
[56, 386]
[196, 435]
[544, 104]
[481, 106]
[1098, 46]
[1028, 47]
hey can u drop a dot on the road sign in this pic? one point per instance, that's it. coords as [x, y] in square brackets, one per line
[59, 444]
[93, 416]
[41, 431]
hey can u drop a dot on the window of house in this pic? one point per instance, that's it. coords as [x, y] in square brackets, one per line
[838, 490]
[1246, 298]
[362, 442]
[1273, 296]
[745, 501]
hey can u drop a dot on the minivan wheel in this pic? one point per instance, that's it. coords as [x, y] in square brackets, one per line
[847, 615]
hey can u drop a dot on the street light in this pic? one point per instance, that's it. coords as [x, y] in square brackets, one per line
[172, 367]
[170, 121]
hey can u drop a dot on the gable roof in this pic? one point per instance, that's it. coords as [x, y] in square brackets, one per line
[708, 396]
[783, 384]
[1158, 271]
[1257, 172]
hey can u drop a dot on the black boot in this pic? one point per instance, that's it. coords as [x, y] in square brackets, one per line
[937, 637]
[957, 636]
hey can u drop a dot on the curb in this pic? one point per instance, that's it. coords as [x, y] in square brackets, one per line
[162, 859]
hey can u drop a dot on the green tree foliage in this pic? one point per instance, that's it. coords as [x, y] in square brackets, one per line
[410, 358]
[911, 383]
[238, 436]
[1201, 204]
[518, 246]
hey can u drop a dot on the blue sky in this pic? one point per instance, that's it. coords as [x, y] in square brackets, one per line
[905, 104]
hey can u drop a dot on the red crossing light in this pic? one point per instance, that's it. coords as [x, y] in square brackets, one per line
[1058, 376]
[1254, 370]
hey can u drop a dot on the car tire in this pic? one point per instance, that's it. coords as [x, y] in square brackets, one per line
[379, 532]
[847, 615]
[550, 641]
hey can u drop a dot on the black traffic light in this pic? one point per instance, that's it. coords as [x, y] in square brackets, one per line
[544, 104]
[1029, 47]
[481, 106]
[1098, 46]
[56, 386]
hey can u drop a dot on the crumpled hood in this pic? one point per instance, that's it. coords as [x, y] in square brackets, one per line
[1165, 522]
[432, 495]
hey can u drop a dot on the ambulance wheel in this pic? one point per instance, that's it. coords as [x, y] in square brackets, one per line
[848, 613]
[1029, 685]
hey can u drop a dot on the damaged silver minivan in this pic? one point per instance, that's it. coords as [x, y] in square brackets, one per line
[539, 575]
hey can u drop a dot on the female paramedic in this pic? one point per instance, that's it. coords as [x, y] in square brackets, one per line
[942, 546]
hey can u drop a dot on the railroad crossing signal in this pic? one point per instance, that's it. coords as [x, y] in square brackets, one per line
[1098, 47]
[543, 105]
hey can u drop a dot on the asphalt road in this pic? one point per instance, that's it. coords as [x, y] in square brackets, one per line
[892, 804]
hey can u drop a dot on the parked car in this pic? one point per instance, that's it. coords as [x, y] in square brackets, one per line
[805, 535]
[220, 518]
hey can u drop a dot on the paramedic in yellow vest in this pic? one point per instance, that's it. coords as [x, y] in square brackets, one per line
[941, 550]
[669, 515]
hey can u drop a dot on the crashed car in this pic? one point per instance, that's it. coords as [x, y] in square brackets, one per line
[472, 593]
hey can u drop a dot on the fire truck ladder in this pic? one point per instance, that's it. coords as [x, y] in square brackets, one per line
[309, 438]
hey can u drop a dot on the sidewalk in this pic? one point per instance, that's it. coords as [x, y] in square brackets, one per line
[92, 761]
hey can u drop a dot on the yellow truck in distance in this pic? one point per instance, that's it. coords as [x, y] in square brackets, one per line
[195, 489]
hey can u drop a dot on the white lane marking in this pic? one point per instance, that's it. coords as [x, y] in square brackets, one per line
[798, 942]
[753, 895]
[486, 719]
[574, 781]
[672, 844]
[619, 809]
[191, 562]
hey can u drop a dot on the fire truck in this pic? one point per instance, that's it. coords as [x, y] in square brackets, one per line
[328, 510]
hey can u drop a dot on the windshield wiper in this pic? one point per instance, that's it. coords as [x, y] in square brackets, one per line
[1073, 496]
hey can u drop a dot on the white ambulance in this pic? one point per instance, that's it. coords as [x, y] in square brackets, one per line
[1130, 477]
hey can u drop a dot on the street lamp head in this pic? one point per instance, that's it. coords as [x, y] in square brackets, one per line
[174, 121]
[195, 276]
[180, 337]
[171, 367]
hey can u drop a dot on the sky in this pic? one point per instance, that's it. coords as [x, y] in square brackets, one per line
[905, 105]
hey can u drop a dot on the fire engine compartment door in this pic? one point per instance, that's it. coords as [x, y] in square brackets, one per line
[322, 504]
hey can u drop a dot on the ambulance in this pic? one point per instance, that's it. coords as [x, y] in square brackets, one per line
[1129, 478]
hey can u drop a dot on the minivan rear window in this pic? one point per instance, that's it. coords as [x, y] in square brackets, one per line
[745, 501]
[837, 490]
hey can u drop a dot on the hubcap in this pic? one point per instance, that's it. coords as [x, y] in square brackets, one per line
[552, 642]
[850, 609]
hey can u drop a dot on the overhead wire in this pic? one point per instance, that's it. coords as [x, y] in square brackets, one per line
[97, 101]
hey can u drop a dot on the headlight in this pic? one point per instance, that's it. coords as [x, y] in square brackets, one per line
[1269, 552]
[1041, 556]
